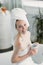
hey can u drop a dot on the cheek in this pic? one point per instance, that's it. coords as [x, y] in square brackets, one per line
[26, 27]
[19, 29]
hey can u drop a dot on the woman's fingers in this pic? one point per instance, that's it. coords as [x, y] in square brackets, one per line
[34, 51]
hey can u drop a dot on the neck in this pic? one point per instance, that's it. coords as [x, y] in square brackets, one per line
[22, 33]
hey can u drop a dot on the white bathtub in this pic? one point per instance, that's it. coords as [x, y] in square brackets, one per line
[5, 58]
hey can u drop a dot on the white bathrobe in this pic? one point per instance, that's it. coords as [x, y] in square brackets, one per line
[24, 51]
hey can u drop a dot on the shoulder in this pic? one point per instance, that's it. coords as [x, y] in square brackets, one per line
[17, 41]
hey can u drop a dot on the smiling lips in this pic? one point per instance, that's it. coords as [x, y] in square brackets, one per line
[23, 31]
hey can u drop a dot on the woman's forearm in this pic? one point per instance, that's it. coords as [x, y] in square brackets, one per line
[19, 58]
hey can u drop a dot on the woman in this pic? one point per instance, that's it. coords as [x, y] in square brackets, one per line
[22, 42]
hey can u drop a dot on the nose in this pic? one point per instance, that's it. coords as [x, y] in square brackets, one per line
[23, 27]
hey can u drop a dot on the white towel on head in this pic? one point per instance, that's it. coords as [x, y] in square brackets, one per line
[20, 14]
[17, 11]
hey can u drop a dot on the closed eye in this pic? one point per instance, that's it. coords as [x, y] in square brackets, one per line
[24, 24]
[20, 26]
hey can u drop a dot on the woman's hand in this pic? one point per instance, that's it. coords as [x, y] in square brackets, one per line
[32, 52]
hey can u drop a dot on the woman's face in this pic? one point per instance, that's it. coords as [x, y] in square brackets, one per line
[21, 26]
